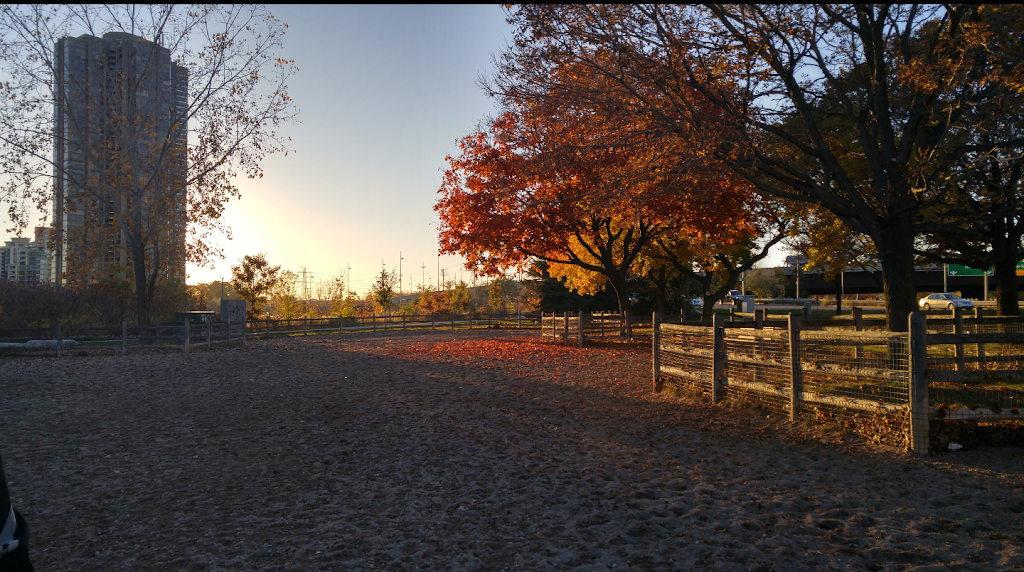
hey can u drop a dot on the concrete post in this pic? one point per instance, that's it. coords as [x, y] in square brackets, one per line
[188, 334]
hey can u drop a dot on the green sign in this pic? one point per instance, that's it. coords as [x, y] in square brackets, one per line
[961, 270]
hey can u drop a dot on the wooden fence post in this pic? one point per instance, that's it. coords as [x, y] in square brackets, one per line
[858, 318]
[918, 358]
[341, 323]
[796, 374]
[629, 328]
[978, 330]
[656, 352]
[188, 334]
[268, 326]
[519, 320]
[244, 324]
[124, 338]
[60, 341]
[718, 357]
[579, 329]
[403, 321]
[758, 345]
[373, 320]
[209, 334]
[431, 321]
[228, 335]
[958, 328]
[452, 316]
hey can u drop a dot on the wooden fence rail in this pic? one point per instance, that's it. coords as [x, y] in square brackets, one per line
[868, 372]
[188, 336]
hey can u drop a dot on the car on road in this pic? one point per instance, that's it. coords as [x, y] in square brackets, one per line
[732, 296]
[944, 300]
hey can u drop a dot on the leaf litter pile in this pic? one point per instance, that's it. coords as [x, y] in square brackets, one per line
[463, 451]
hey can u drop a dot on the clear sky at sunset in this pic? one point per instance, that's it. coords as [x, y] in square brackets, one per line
[383, 93]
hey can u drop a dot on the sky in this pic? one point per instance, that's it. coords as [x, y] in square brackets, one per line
[383, 94]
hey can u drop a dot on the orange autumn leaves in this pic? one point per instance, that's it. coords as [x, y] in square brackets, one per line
[542, 182]
[513, 351]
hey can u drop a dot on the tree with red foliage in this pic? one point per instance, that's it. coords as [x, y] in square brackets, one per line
[529, 187]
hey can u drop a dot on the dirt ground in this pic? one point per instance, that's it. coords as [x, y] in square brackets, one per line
[464, 451]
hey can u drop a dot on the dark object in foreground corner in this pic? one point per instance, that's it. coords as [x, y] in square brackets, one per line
[13, 533]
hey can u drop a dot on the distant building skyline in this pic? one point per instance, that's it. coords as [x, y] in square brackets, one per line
[25, 260]
[96, 121]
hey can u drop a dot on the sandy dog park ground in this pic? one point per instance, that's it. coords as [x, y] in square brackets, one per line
[464, 451]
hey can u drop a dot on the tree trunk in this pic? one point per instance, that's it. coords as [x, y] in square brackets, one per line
[622, 295]
[660, 281]
[709, 298]
[896, 254]
[1006, 287]
[141, 287]
[839, 296]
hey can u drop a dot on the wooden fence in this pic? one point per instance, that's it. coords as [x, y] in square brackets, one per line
[872, 377]
[188, 336]
[578, 327]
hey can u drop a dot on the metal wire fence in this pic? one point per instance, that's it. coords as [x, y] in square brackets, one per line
[758, 368]
[859, 379]
[689, 357]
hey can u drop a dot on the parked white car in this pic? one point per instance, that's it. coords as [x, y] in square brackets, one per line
[697, 302]
[944, 300]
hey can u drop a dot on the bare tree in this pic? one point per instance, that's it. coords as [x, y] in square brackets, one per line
[133, 121]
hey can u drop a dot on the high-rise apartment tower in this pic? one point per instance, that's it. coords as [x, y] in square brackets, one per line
[120, 143]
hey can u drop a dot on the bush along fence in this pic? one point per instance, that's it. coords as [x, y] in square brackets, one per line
[190, 335]
[891, 387]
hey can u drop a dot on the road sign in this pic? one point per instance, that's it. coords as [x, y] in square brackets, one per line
[961, 270]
